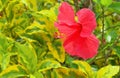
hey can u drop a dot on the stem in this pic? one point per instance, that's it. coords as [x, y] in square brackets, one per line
[76, 5]
[90, 5]
[103, 26]
[103, 40]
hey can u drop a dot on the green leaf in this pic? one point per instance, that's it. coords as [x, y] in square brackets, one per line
[117, 50]
[32, 76]
[31, 4]
[13, 72]
[68, 73]
[4, 43]
[49, 17]
[5, 60]
[115, 6]
[9, 11]
[84, 67]
[3, 4]
[108, 71]
[69, 60]
[28, 56]
[57, 50]
[52, 13]
[38, 75]
[48, 64]
[106, 2]
[111, 36]
[4, 51]
[97, 1]
[35, 27]
[35, 33]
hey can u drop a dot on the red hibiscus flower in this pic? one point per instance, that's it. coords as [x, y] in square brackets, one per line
[78, 38]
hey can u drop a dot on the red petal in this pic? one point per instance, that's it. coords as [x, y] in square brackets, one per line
[66, 14]
[87, 19]
[69, 44]
[87, 47]
[82, 47]
[65, 29]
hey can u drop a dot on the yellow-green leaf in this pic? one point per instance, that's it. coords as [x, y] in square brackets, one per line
[38, 75]
[13, 72]
[57, 50]
[31, 4]
[49, 17]
[9, 11]
[68, 73]
[108, 71]
[3, 4]
[28, 56]
[106, 2]
[4, 51]
[48, 64]
[85, 67]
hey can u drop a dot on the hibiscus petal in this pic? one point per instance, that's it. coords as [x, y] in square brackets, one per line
[82, 47]
[88, 21]
[87, 47]
[65, 29]
[69, 44]
[66, 14]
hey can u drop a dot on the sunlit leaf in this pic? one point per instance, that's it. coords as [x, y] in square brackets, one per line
[4, 51]
[31, 4]
[84, 67]
[49, 17]
[68, 73]
[13, 72]
[38, 75]
[35, 27]
[4, 43]
[106, 2]
[97, 1]
[108, 71]
[50, 13]
[3, 4]
[5, 60]
[9, 11]
[48, 64]
[57, 50]
[28, 56]
[111, 36]
[115, 6]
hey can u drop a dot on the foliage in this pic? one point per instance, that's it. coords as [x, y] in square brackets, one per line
[29, 47]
